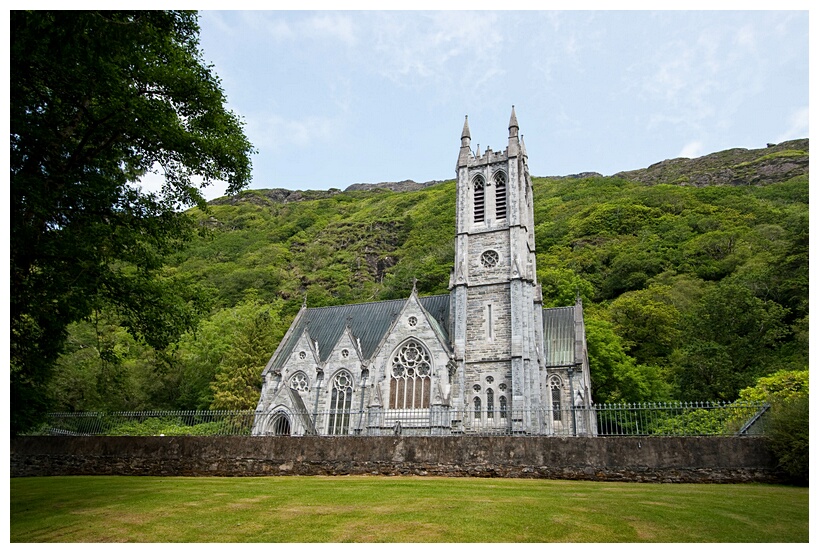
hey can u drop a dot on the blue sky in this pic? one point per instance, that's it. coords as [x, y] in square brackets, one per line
[332, 98]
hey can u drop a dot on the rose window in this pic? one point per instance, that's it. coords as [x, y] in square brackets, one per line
[299, 382]
[489, 258]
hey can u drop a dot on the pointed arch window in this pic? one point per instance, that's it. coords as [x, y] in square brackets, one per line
[554, 385]
[480, 199]
[500, 195]
[280, 425]
[502, 405]
[410, 377]
[340, 400]
[490, 404]
[477, 403]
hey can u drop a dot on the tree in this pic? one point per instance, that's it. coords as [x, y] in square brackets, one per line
[98, 99]
[255, 328]
[615, 376]
[731, 339]
[647, 320]
[787, 429]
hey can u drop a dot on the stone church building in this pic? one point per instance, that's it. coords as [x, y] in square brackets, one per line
[485, 358]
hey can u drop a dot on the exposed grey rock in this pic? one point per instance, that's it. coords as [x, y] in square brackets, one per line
[403, 186]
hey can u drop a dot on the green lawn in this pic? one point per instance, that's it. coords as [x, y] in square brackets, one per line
[399, 509]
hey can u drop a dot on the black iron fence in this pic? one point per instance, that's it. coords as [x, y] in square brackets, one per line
[636, 419]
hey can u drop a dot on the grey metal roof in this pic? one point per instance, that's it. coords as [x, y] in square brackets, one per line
[558, 336]
[368, 322]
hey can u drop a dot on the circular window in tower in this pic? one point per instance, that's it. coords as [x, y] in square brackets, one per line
[489, 258]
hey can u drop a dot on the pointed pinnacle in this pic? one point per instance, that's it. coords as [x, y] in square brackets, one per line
[513, 123]
[465, 132]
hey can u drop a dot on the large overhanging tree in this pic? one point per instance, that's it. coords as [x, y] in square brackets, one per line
[97, 100]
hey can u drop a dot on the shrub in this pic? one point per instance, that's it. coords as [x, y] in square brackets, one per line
[788, 437]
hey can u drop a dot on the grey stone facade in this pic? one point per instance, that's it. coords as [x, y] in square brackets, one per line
[485, 358]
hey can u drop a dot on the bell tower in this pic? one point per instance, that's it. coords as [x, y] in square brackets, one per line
[497, 315]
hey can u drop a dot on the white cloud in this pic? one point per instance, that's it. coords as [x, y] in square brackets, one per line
[331, 25]
[463, 47]
[272, 131]
[283, 26]
[692, 149]
[797, 125]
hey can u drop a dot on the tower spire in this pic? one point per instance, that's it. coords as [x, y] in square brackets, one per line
[513, 124]
[466, 152]
[465, 136]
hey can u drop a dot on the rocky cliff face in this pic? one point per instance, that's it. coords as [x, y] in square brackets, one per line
[403, 186]
[735, 167]
[266, 196]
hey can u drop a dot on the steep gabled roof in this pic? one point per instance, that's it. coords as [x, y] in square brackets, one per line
[368, 322]
[559, 336]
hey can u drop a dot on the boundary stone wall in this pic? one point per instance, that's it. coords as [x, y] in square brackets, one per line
[633, 459]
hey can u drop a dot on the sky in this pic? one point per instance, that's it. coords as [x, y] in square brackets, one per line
[332, 98]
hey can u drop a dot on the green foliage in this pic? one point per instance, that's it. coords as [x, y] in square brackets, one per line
[170, 426]
[615, 376]
[789, 434]
[255, 329]
[779, 387]
[98, 99]
[103, 368]
[788, 429]
[731, 335]
[648, 321]
[705, 422]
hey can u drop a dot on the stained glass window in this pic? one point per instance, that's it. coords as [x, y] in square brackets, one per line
[410, 377]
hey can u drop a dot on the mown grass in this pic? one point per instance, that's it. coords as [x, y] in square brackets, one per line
[383, 509]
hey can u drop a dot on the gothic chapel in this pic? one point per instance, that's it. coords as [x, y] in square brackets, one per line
[485, 358]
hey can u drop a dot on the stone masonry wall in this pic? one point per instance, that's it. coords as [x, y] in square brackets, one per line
[666, 459]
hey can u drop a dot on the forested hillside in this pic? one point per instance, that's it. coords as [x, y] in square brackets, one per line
[693, 274]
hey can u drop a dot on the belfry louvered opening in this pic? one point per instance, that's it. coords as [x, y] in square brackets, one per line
[500, 195]
[480, 200]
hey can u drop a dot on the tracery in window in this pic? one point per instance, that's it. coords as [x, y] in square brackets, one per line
[299, 382]
[345, 353]
[500, 195]
[412, 321]
[489, 258]
[477, 403]
[480, 186]
[410, 377]
[554, 384]
[490, 404]
[302, 354]
[502, 406]
[340, 401]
